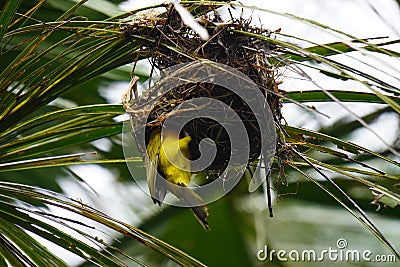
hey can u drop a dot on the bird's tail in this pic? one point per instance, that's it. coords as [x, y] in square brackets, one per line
[194, 201]
[201, 214]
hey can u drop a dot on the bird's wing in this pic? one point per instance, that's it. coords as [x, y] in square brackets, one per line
[157, 190]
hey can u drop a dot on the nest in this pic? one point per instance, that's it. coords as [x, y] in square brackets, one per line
[168, 42]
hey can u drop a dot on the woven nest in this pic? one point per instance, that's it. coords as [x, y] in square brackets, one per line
[236, 44]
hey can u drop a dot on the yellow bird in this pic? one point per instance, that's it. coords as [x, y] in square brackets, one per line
[168, 161]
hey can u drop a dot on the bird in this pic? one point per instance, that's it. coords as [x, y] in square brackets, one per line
[167, 170]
